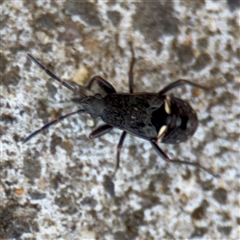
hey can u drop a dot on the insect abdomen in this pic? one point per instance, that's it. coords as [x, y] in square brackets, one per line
[183, 122]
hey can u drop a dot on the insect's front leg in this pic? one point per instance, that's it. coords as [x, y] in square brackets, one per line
[103, 84]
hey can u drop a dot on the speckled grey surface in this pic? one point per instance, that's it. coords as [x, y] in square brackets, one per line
[54, 186]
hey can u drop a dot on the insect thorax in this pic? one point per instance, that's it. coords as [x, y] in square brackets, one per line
[132, 113]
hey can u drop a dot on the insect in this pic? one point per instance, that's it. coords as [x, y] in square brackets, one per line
[155, 117]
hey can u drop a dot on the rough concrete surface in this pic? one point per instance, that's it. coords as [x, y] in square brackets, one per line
[57, 186]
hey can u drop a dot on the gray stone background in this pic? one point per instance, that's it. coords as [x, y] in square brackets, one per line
[55, 186]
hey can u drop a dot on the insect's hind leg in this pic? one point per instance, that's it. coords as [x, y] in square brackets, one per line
[178, 83]
[119, 148]
[103, 130]
[166, 158]
[102, 83]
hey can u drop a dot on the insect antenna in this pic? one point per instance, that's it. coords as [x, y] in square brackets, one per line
[50, 124]
[52, 75]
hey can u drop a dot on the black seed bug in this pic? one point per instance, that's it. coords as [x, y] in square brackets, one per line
[155, 117]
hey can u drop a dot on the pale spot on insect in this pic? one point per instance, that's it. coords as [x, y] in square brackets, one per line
[161, 132]
[189, 124]
[167, 105]
[178, 122]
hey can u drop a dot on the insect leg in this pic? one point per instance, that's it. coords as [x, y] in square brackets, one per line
[180, 82]
[50, 124]
[130, 73]
[119, 148]
[103, 84]
[100, 131]
[52, 75]
[165, 158]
